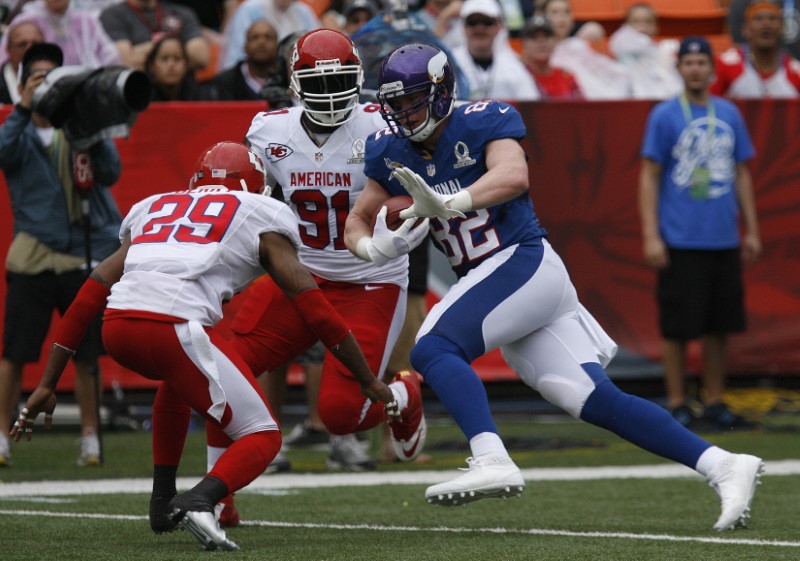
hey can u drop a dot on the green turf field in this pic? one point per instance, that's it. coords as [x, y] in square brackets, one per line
[610, 519]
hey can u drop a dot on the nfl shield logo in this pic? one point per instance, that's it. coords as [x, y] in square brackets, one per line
[318, 157]
[431, 169]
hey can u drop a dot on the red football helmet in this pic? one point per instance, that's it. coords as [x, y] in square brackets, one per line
[326, 76]
[231, 165]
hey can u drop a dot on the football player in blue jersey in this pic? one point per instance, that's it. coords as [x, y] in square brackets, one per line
[467, 172]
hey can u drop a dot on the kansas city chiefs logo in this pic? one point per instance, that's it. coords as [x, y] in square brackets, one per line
[276, 152]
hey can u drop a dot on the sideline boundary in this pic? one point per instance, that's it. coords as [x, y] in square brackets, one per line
[361, 479]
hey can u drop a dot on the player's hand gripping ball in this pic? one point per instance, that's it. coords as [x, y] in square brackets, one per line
[393, 207]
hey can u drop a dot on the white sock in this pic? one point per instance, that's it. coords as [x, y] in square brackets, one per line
[487, 444]
[400, 392]
[709, 459]
[212, 455]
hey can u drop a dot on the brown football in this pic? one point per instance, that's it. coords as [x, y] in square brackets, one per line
[393, 207]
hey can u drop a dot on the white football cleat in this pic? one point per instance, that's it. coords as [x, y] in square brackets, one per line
[735, 480]
[493, 476]
[204, 527]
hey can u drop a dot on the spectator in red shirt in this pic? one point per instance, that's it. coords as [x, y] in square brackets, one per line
[760, 68]
[538, 43]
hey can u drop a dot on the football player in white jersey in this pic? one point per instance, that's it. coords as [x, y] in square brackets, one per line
[314, 153]
[183, 254]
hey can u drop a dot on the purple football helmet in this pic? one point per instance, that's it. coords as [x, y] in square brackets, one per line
[411, 69]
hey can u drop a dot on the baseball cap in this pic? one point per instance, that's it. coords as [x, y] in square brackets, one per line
[488, 8]
[39, 51]
[354, 5]
[694, 44]
[536, 25]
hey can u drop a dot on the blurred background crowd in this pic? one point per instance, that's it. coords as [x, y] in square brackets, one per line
[504, 49]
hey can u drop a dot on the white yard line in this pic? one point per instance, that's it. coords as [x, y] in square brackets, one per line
[312, 480]
[441, 530]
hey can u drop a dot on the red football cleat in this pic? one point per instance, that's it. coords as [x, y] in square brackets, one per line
[226, 512]
[409, 428]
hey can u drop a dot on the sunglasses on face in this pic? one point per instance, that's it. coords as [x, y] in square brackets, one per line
[485, 22]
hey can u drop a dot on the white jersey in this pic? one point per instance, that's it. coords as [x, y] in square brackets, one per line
[192, 250]
[321, 184]
[737, 78]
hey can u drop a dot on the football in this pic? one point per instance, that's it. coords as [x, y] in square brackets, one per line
[393, 207]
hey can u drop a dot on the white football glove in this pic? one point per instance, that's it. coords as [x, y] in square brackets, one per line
[386, 244]
[427, 202]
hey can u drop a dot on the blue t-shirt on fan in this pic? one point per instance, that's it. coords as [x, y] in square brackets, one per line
[698, 206]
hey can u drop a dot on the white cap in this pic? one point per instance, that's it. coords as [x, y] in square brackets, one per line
[488, 8]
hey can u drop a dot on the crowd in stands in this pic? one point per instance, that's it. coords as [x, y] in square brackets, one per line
[510, 49]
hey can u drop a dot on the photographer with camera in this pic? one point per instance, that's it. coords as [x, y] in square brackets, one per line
[46, 262]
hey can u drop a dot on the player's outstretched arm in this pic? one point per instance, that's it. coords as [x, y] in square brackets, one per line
[279, 258]
[90, 301]
[506, 178]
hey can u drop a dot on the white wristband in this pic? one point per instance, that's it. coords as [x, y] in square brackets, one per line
[361, 248]
[461, 201]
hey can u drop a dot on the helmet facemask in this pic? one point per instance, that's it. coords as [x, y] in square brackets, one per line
[328, 92]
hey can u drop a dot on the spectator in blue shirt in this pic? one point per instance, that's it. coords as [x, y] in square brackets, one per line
[694, 187]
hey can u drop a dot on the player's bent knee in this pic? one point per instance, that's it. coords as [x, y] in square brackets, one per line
[340, 411]
[568, 394]
[428, 349]
[256, 426]
[336, 423]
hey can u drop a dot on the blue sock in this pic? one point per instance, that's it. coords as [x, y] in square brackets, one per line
[639, 421]
[447, 371]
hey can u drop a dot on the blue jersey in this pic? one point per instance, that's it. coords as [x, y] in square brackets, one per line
[457, 162]
[690, 218]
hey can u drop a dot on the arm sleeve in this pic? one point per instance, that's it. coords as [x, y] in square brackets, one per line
[321, 317]
[654, 137]
[89, 302]
[743, 148]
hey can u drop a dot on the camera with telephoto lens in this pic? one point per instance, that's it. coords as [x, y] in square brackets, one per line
[92, 104]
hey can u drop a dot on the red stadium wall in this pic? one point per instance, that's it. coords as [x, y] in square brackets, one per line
[584, 173]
